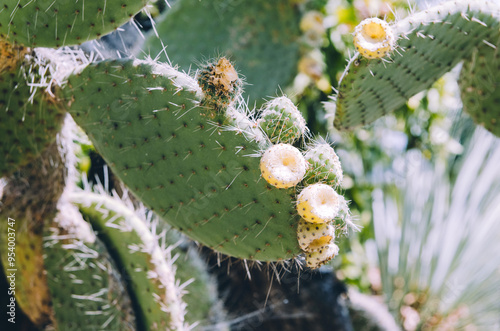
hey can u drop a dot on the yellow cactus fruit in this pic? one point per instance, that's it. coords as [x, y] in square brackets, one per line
[318, 203]
[373, 38]
[318, 258]
[313, 236]
[283, 166]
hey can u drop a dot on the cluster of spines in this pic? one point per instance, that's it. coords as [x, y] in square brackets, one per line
[220, 84]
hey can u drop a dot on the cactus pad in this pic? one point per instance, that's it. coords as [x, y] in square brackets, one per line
[152, 284]
[87, 290]
[29, 121]
[430, 44]
[318, 203]
[55, 23]
[479, 88]
[200, 177]
[261, 36]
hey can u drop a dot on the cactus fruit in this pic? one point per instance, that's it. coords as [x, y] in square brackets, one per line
[318, 203]
[55, 23]
[373, 38]
[260, 36]
[313, 236]
[315, 259]
[430, 43]
[29, 116]
[281, 121]
[479, 88]
[283, 166]
[220, 83]
[324, 165]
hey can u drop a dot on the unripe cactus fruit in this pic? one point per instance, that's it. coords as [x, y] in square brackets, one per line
[220, 83]
[324, 165]
[373, 38]
[282, 121]
[313, 236]
[318, 258]
[318, 203]
[283, 166]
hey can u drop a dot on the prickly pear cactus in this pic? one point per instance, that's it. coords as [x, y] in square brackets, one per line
[185, 165]
[29, 116]
[260, 36]
[429, 43]
[55, 23]
[196, 163]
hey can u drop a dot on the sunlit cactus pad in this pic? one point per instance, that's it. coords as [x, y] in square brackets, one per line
[193, 171]
[430, 43]
[260, 36]
[55, 23]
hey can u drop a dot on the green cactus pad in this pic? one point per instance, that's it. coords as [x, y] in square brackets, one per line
[282, 121]
[430, 43]
[87, 290]
[479, 80]
[260, 36]
[29, 121]
[136, 250]
[55, 23]
[200, 177]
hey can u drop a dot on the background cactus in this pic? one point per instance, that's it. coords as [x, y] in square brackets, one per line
[260, 37]
[250, 185]
[429, 44]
